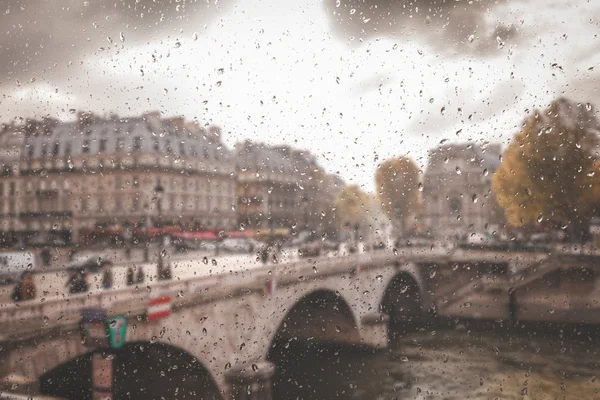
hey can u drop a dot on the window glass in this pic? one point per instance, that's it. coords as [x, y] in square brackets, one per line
[321, 199]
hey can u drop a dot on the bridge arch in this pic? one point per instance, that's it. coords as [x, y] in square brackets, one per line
[321, 314]
[402, 301]
[142, 370]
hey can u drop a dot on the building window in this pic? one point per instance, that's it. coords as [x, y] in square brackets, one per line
[30, 150]
[134, 204]
[44, 149]
[120, 144]
[1, 189]
[118, 183]
[118, 204]
[85, 147]
[68, 149]
[84, 205]
[156, 146]
[181, 148]
[136, 182]
[455, 205]
[100, 205]
[193, 151]
[137, 143]
[168, 147]
[102, 145]
[205, 153]
[56, 149]
[11, 189]
[11, 206]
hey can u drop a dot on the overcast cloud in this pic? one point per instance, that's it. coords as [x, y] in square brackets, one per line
[352, 87]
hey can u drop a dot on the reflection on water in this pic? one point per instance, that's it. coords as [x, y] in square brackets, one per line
[465, 363]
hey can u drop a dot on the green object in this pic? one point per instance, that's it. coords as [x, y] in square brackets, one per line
[117, 331]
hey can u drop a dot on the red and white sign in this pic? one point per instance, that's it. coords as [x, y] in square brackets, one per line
[271, 285]
[159, 308]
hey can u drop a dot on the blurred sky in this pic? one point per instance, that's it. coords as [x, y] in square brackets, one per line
[353, 82]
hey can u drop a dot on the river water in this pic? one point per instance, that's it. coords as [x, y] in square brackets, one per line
[461, 363]
[455, 363]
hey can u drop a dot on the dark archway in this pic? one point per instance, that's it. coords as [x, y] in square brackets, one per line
[141, 371]
[312, 350]
[403, 303]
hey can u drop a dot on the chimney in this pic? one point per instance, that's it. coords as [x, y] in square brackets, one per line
[215, 131]
[85, 118]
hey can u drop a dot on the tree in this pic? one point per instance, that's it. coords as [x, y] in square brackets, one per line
[548, 174]
[397, 180]
[351, 206]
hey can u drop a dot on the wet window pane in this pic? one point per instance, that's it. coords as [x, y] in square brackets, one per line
[335, 199]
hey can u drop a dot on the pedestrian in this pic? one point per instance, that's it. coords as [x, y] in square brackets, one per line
[107, 278]
[130, 276]
[77, 282]
[164, 270]
[27, 286]
[140, 278]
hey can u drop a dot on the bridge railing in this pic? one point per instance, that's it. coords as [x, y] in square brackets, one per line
[17, 318]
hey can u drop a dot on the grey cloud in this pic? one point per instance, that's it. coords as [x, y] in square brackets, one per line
[445, 24]
[37, 34]
[465, 111]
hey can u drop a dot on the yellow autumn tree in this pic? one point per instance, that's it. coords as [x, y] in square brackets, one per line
[397, 181]
[548, 173]
[351, 206]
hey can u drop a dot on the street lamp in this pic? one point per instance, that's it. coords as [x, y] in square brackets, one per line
[159, 192]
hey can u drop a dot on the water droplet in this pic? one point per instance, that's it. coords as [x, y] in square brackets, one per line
[338, 3]
[468, 304]
[500, 42]
[395, 251]
[475, 198]
[195, 36]
[420, 187]
[177, 45]
[404, 359]
[254, 367]
[471, 38]
[485, 172]
[458, 171]
[443, 111]
[588, 106]
[109, 39]
[214, 262]
[379, 277]
[121, 37]
[338, 329]
[352, 11]
[205, 260]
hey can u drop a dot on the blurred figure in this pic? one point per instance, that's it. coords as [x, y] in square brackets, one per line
[107, 277]
[77, 282]
[130, 276]
[164, 270]
[25, 288]
[140, 278]
[46, 257]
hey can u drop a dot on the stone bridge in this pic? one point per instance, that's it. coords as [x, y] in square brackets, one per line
[229, 324]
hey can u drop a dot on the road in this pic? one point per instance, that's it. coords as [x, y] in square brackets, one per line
[51, 283]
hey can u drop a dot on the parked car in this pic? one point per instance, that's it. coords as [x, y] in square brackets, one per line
[311, 249]
[235, 245]
[90, 263]
[13, 264]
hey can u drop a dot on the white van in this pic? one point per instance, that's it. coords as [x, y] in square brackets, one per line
[13, 264]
